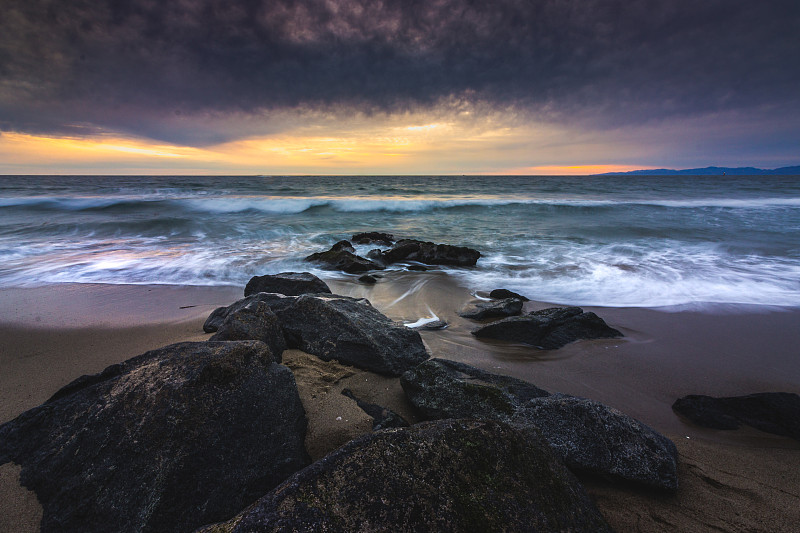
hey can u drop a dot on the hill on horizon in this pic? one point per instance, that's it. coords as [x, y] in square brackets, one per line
[711, 171]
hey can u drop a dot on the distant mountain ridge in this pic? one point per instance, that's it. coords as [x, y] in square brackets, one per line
[711, 171]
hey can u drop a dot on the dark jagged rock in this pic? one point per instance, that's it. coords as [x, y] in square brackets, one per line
[453, 475]
[341, 257]
[417, 268]
[592, 437]
[772, 412]
[549, 329]
[166, 441]
[275, 302]
[493, 309]
[382, 417]
[501, 294]
[351, 331]
[447, 389]
[430, 253]
[369, 280]
[288, 283]
[588, 436]
[373, 237]
[257, 322]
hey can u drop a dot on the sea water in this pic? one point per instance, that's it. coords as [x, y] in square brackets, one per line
[601, 240]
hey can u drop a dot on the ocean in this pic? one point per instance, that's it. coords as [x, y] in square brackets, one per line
[617, 241]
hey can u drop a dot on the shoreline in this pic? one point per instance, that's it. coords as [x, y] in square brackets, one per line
[51, 335]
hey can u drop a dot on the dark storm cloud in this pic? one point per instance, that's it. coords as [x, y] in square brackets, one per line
[144, 66]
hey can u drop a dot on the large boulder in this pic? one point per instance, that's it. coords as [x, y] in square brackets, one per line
[592, 437]
[453, 475]
[341, 256]
[274, 301]
[288, 283]
[440, 388]
[587, 435]
[167, 441]
[549, 329]
[772, 412]
[430, 253]
[501, 294]
[256, 322]
[492, 309]
[353, 332]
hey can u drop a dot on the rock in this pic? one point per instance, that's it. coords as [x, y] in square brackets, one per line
[256, 322]
[417, 268]
[432, 326]
[587, 435]
[166, 441]
[440, 388]
[592, 437]
[430, 253]
[494, 309]
[382, 417]
[453, 475]
[273, 300]
[340, 257]
[351, 331]
[549, 329]
[373, 237]
[369, 280]
[501, 294]
[288, 283]
[772, 412]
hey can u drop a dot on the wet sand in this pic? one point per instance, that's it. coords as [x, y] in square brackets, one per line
[732, 481]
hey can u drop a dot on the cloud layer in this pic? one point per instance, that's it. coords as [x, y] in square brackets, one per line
[198, 71]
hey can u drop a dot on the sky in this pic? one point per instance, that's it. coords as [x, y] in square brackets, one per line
[397, 86]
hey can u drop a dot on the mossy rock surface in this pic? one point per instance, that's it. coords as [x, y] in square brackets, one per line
[451, 475]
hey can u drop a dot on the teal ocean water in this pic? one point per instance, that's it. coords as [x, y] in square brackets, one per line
[604, 240]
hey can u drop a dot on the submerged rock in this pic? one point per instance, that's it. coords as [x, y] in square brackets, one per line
[257, 322]
[587, 435]
[373, 237]
[493, 309]
[382, 417]
[288, 283]
[342, 257]
[549, 329]
[166, 441]
[501, 294]
[353, 332]
[275, 302]
[453, 475]
[772, 412]
[430, 253]
[369, 280]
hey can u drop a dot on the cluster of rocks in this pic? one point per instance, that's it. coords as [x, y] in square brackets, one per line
[342, 255]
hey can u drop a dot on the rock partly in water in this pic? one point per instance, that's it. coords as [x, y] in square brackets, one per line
[453, 475]
[431, 326]
[772, 412]
[256, 322]
[373, 237]
[417, 268]
[430, 253]
[167, 441]
[275, 302]
[549, 329]
[367, 279]
[592, 437]
[588, 436]
[342, 257]
[288, 283]
[492, 309]
[440, 388]
[382, 417]
[353, 332]
[501, 294]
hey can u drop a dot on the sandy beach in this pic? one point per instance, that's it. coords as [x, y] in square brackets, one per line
[730, 481]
